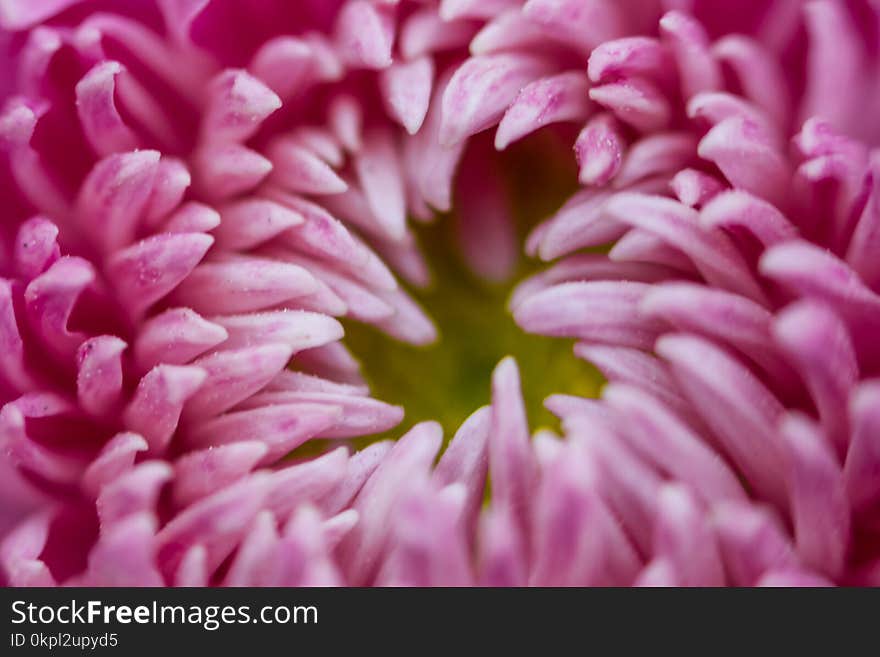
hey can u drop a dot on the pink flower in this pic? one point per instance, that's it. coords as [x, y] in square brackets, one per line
[732, 161]
[192, 191]
[183, 212]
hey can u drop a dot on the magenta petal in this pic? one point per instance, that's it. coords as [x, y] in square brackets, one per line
[247, 223]
[863, 457]
[558, 98]
[501, 553]
[466, 461]
[599, 150]
[636, 102]
[752, 543]
[133, 492]
[684, 536]
[200, 473]
[740, 410]
[237, 104]
[818, 344]
[147, 271]
[712, 252]
[104, 127]
[480, 92]
[360, 552]
[254, 562]
[281, 428]
[819, 503]
[36, 247]
[99, 373]
[406, 90]
[427, 545]
[595, 311]
[511, 462]
[689, 43]
[668, 442]
[116, 457]
[125, 555]
[175, 337]
[156, 405]
[114, 194]
[365, 34]
[217, 522]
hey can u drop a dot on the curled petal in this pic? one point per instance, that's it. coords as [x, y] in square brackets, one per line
[114, 195]
[203, 472]
[406, 90]
[554, 99]
[115, 458]
[99, 373]
[236, 106]
[481, 90]
[175, 337]
[737, 209]
[818, 343]
[747, 158]
[863, 457]
[697, 68]
[50, 299]
[36, 247]
[105, 129]
[156, 404]
[628, 57]
[636, 102]
[599, 150]
[147, 271]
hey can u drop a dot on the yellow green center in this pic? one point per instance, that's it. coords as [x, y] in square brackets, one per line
[450, 379]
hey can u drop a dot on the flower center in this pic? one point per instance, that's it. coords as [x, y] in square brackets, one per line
[448, 380]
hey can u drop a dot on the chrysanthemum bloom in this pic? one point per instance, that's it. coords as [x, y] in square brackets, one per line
[191, 192]
[728, 155]
[148, 321]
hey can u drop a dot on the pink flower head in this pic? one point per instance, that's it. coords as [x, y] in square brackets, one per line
[192, 191]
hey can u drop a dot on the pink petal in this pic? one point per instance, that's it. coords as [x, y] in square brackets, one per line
[157, 403]
[406, 90]
[739, 409]
[863, 457]
[148, 270]
[99, 373]
[243, 283]
[689, 43]
[684, 536]
[554, 99]
[819, 505]
[597, 311]
[233, 376]
[200, 473]
[665, 440]
[599, 150]
[281, 428]
[480, 92]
